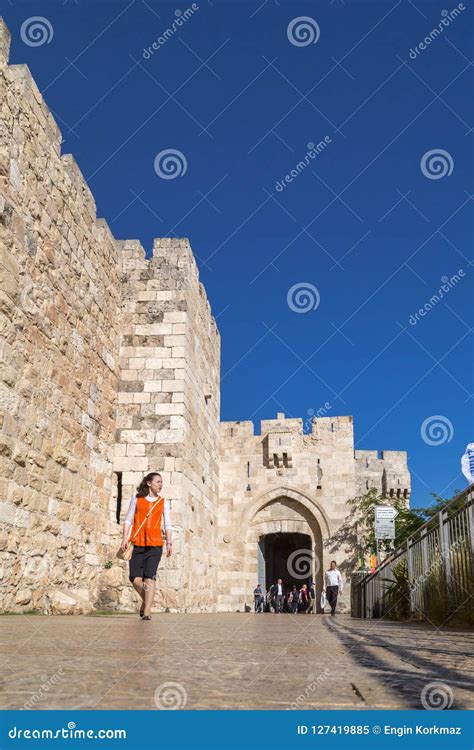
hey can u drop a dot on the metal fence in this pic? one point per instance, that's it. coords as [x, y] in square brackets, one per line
[430, 577]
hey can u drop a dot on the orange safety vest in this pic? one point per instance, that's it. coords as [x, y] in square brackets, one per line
[150, 533]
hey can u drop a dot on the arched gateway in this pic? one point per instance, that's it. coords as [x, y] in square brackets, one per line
[283, 494]
[285, 540]
[279, 534]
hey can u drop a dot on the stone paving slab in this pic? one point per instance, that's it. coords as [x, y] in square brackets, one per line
[228, 661]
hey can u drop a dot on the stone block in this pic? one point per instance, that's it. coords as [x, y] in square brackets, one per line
[152, 363]
[173, 385]
[173, 409]
[154, 329]
[141, 398]
[154, 386]
[137, 436]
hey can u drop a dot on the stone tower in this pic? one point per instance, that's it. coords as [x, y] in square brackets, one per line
[168, 408]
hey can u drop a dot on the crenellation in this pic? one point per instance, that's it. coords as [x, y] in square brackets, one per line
[41, 120]
[237, 429]
[388, 474]
[287, 425]
[5, 41]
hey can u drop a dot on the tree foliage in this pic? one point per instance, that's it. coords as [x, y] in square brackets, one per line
[356, 536]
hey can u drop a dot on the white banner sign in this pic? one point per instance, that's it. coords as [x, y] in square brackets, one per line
[467, 463]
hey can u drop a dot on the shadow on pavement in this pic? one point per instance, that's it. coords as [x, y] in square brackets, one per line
[407, 684]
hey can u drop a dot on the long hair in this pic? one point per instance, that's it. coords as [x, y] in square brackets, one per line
[143, 488]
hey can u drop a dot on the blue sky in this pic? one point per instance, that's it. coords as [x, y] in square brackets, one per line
[372, 222]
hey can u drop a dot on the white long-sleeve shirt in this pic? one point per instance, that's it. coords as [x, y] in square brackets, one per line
[151, 499]
[333, 578]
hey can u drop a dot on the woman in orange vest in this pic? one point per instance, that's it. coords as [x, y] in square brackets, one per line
[145, 514]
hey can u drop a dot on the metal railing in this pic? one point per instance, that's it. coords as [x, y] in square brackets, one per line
[430, 577]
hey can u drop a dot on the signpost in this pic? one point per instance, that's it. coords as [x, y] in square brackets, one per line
[385, 528]
[384, 523]
[385, 512]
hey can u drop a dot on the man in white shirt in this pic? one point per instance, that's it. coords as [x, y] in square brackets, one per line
[333, 581]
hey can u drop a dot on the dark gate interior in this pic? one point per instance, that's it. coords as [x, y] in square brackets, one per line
[278, 559]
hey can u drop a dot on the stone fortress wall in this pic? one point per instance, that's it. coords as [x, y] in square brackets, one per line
[110, 369]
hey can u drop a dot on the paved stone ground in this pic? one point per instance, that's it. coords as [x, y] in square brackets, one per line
[228, 661]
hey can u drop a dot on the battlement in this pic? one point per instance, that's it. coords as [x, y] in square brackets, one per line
[176, 252]
[366, 455]
[5, 40]
[387, 472]
[281, 423]
[322, 427]
[237, 429]
[172, 261]
[396, 458]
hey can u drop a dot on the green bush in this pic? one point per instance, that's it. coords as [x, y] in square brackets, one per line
[396, 597]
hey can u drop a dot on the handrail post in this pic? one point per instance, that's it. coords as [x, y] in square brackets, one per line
[445, 554]
[410, 575]
[425, 572]
[470, 510]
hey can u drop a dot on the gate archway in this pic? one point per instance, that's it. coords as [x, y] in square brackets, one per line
[284, 540]
[286, 555]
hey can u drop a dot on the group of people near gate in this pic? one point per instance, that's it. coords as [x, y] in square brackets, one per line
[279, 598]
[143, 544]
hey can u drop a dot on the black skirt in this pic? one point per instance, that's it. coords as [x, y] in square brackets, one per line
[144, 562]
